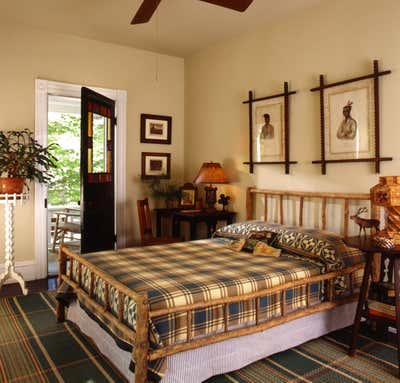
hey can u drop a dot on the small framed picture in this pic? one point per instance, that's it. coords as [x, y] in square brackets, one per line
[349, 121]
[188, 196]
[156, 165]
[269, 130]
[155, 129]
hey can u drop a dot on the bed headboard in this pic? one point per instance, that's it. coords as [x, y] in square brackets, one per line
[301, 196]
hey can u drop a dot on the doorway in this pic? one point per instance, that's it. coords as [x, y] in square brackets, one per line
[63, 192]
[57, 205]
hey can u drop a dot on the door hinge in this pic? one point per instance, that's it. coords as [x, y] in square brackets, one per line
[115, 121]
[115, 238]
[45, 203]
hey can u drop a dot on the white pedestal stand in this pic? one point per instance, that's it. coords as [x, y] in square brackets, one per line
[9, 201]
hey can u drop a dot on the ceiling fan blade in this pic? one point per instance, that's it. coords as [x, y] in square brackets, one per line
[237, 5]
[146, 10]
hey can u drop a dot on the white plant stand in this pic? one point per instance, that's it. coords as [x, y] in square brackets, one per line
[10, 201]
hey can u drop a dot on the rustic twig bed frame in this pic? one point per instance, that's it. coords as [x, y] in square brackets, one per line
[140, 338]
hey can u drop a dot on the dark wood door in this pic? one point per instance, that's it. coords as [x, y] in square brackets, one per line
[97, 172]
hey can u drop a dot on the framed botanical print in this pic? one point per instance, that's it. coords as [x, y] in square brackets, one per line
[350, 120]
[268, 130]
[155, 129]
[188, 196]
[156, 165]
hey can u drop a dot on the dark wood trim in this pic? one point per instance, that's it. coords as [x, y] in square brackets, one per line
[354, 160]
[270, 163]
[322, 122]
[269, 97]
[377, 117]
[355, 79]
[165, 155]
[287, 125]
[251, 168]
[143, 139]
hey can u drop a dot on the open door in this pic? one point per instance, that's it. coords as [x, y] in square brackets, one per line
[97, 172]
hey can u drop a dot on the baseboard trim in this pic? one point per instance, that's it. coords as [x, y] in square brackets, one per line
[28, 269]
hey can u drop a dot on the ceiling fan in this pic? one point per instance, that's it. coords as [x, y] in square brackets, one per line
[148, 7]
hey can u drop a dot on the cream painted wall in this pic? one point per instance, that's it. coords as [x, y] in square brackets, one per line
[338, 38]
[27, 54]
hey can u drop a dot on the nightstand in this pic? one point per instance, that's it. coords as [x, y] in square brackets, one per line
[367, 245]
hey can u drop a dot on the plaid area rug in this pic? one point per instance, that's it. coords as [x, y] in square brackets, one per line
[34, 348]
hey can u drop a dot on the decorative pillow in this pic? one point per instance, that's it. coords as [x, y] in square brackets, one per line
[325, 246]
[244, 229]
[261, 248]
[236, 245]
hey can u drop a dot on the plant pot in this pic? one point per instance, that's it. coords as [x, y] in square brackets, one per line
[11, 185]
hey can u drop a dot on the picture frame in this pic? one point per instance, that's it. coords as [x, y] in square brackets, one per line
[188, 196]
[156, 165]
[269, 129]
[155, 129]
[350, 120]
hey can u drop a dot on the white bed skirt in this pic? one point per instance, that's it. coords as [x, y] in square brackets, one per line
[197, 365]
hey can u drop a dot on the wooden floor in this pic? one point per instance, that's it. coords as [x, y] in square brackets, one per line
[33, 287]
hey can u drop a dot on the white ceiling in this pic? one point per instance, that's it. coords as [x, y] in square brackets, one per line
[180, 27]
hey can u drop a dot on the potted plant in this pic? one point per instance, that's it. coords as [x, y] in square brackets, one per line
[23, 159]
[164, 190]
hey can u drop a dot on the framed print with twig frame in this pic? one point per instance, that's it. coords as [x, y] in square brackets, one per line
[269, 130]
[350, 120]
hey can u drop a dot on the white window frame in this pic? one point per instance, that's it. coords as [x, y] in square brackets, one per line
[44, 88]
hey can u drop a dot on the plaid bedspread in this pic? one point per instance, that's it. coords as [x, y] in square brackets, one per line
[183, 273]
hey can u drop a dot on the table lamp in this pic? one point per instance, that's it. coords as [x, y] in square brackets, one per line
[211, 173]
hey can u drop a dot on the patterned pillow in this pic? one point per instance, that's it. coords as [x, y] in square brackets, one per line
[322, 245]
[244, 229]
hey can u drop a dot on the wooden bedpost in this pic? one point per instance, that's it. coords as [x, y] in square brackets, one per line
[249, 204]
[141, 349]
[62, 269]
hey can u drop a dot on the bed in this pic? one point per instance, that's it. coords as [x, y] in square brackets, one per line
[161, 310]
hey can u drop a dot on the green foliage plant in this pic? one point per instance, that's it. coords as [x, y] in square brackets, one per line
[21, 156]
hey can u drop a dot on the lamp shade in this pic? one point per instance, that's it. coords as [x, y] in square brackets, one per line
[211, 173]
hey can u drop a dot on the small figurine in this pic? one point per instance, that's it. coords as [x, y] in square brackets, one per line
[224, 200]
[365, 223]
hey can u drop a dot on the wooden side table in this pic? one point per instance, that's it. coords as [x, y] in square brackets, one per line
[209, 218]
[367, 245]
[10, 201]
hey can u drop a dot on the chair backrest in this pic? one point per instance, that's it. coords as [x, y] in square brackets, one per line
[146, 228]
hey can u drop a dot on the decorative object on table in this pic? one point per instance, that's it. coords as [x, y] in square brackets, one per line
[156, 165]
[211, 173]
[364, 223]
[23, 159]
[155, 129]
[199, 204]
[10, 201]
[224, 201]
[188, 194]
[387, 194]
[269, 128]
[384, 242]
[164, 190]
[350, 120]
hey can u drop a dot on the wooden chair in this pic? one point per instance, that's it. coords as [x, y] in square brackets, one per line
[146, 227]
